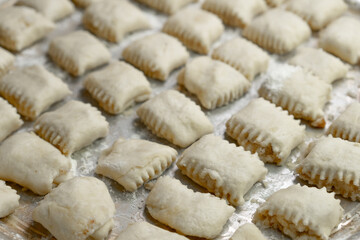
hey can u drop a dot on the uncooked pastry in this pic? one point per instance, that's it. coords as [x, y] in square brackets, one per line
[6, 61]
[347, 125]
[51, 9]
[176, 118]
[166, 6]
[10, 121]
[235, 13]
[195, 28]
[135, 161]
[222, 168]
[278, 31]
[342, 38]
[32, 90]
[244, 56]
[333, 163]
[266, 129]
[300, 93]
[317, 13]
[301, 212]
[9, 200]
[79, 208]
[213, 82]
[117, 87]
[156, 55]
[78, 52]
[113, 19]
[322, 64]
[248, 231]
[20, 27]
[143, 230]
[72, 126]
[32, 162]
[188, 212]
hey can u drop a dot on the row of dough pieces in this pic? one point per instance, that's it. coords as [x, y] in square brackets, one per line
[249, 59]
[298, 211]
[133, 162]
[113, 19]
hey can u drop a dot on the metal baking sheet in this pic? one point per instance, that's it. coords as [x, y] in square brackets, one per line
[130, 206]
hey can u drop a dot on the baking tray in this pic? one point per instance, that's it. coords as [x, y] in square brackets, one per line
[130, 207]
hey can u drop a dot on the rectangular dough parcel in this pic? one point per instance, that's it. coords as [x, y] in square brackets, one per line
[188, 212]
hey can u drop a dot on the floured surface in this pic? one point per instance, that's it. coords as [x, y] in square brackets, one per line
[131, 206]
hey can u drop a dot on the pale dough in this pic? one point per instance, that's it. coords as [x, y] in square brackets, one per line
[9, 200]
[78, 52]
[10, 120]
[113, 19]
[266, 129]
[21, 27]
[157, 55]
[213, 82]
[195, 28]
[301, 212]
[222, 168]
[32, 90]
[188, 212]
[173, 116]
[143, 230]
[51, 9]
[236, 13]
[118, 87]
[342, 38]
[79, 208]
[278, 31]
[32, 162]
[243, 55]
[72, 126]
[133, 162]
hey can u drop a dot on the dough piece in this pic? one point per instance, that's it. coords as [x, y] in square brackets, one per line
[327, 67]
[176, 118]
[248, 231]
[188, 212]
[9, 200]
[335, 164]
[6, 62]
[72, 126]
[317, 13]
[79, 208]
[300, 93]
[347, 125]
[20, 27]
[274, 3]
[133, 162]
[243, 55]
[301, 212]
[277, 31]
[235, 13]
[85, 3]
[9, 119]
[222, 168]
[166, 6]
[195, 28]
[156, 55]
[213, 82]
[31, 162]
[51, 9]
[117, 87]
[78, 52]
[32, 90]
[144, 230]
[342, 38]
[112, 19]
[266, 129]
